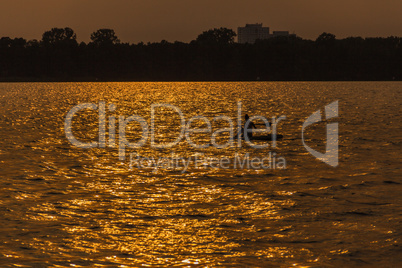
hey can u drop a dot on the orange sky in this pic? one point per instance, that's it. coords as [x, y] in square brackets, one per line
[183, 20]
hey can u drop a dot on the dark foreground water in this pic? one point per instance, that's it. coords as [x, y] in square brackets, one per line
[65, 206]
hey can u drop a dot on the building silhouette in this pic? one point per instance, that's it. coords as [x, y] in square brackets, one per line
[252, 32]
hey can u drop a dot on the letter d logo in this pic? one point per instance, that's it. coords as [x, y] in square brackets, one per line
[331, 155]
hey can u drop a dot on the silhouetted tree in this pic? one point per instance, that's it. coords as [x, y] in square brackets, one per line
[5, 42]
[19, 43]
[326, 38]
[217, 36]
[32, 43]
[104, 37]
[60, 36]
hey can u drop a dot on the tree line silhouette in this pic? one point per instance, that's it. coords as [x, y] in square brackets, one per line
[212, 56]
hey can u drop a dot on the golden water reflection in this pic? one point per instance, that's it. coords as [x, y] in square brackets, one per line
[64, 206]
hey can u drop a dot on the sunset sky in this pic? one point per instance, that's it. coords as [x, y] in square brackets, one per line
[183, 20]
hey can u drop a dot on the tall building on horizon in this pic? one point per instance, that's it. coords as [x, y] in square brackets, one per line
[252, 32]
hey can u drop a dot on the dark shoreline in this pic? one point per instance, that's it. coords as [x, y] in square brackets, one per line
[203, 59]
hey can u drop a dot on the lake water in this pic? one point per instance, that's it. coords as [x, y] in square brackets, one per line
[65, 206]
